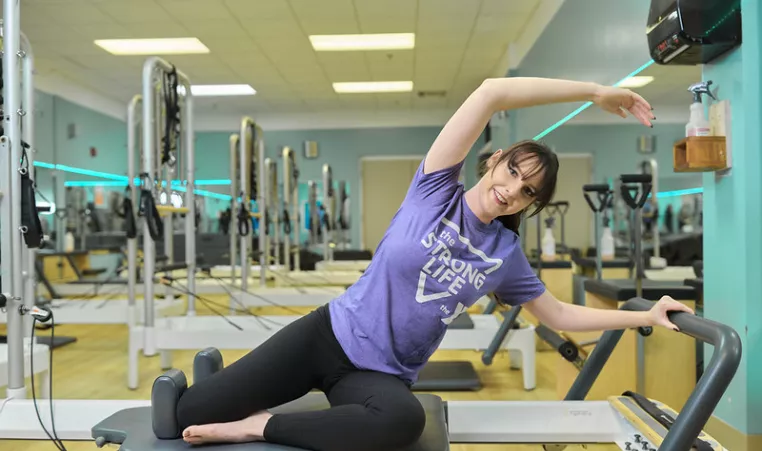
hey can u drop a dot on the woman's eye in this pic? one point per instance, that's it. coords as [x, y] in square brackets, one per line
[512, 171]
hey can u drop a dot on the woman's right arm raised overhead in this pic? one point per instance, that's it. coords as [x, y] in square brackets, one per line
[498, 94]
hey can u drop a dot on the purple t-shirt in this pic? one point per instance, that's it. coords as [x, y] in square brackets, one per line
[435, 260]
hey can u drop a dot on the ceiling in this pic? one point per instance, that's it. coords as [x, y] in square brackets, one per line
[265, 43]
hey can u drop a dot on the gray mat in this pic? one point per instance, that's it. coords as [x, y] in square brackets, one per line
[448, 376]
[463, 321]
[131, 428]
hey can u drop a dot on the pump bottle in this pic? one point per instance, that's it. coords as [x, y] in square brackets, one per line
[607, 241]
[698, 125]
[548, 242]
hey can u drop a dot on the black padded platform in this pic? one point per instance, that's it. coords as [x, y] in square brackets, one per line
[556, 264]
[131, 428]
[697, 283]
[624, 289]
[448, 376]
[463, 321]
[589, 262]
[45, 340]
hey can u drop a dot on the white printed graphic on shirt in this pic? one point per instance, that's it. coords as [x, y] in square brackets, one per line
[446, 269]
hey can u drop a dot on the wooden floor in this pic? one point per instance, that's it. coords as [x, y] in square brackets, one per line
[95, 368]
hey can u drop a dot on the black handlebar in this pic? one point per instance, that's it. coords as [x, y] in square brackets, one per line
[604, 196]
[709, 389]
[629, 185]
[506, 326]
[636, 178]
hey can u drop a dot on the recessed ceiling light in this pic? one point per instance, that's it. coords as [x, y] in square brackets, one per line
[373, 86]
[163, 46]
[635, 82]
[350, 42]
[222, 90]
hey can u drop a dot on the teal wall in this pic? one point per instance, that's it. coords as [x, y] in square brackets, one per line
[732, 214]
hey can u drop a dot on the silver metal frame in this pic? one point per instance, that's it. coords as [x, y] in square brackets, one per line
[133, 119]
[151, 68]
[328, 205]
[251, 133]
[18, 261]
[291, 199]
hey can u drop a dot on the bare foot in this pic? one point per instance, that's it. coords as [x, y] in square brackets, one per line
[250, 429]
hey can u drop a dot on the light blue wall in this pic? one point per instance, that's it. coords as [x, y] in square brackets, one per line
[614, 149]
[732, 215]
[578, 46]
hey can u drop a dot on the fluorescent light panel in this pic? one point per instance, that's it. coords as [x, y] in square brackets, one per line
[222, 90]
[356, 42]
[163, 46]
[373, 86]
[636, 82]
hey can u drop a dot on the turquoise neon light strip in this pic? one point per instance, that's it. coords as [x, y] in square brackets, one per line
[574, 113]
[679, 192]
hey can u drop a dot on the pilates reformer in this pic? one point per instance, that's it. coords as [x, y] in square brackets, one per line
[100, 307]
[629, 421]
[234, 280]
[324, 229]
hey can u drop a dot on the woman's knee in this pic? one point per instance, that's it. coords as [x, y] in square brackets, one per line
[401, 425]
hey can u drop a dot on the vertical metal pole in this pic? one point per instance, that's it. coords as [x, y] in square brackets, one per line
[149, 250]
[274, 198]
[245, 154]
[654, 192]
[640, 384]
[598, 258]
[259, 145]
[297, 229]
[233, 227]
[11, 201]
[132, 243]
[190, 188]
[287, 171]
[327, 204]
[27, 102]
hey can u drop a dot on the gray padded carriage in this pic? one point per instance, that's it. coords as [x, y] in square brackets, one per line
[131, 428]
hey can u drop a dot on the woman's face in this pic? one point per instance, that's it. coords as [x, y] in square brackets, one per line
[505, 188]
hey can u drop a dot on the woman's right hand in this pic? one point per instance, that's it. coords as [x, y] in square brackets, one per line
[617, 100]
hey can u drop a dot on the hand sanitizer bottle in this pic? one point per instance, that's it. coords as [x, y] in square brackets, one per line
[698, 125]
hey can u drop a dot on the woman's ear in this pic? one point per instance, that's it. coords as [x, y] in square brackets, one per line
[494, 158]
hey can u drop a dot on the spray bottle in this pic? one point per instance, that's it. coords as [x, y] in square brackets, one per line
[607, 240]
[548, 241]
[698, 125]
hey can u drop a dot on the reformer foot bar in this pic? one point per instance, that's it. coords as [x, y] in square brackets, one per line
[629, 420]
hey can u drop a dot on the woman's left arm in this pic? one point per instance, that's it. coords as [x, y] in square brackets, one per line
[574, 318]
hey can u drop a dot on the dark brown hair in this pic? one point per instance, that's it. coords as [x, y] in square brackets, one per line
[545, 161]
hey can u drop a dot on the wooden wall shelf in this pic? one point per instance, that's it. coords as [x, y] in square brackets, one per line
[700, 154]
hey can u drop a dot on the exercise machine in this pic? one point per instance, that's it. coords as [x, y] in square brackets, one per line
[629, 421]
[323, 230]
[593, 267]
[608, 293]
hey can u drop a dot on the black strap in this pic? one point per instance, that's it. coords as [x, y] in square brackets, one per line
[130, 226]
[149, 212]
[286, 222]
[30, 219]
[663, 418]
[172, 124]
[244, 220]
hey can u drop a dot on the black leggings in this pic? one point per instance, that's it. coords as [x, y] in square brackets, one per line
[369, 410]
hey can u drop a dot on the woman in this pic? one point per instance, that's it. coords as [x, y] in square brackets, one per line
[444, 249]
